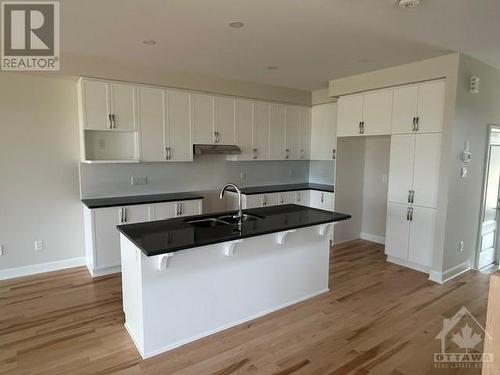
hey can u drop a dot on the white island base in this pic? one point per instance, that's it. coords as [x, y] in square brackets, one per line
[172, 299]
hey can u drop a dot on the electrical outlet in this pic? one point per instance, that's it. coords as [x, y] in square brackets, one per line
[38, 244]
[243, 176]
[138, 180]
[2, 250]
[461, 246]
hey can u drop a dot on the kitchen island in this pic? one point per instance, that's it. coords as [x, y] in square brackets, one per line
[187, 278]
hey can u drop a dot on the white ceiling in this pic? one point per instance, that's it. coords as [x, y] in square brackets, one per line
[311, 41]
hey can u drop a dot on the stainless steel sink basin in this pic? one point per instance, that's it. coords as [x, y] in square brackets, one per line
[212, 222]
[233, 219]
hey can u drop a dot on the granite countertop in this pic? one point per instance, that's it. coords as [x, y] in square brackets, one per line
[138, 199]
[171, 235]
[249, 190]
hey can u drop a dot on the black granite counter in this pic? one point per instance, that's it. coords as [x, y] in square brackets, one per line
[138, 199]
[249, 190]
[166, 236]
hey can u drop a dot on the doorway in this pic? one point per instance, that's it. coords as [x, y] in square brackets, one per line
[487, 253]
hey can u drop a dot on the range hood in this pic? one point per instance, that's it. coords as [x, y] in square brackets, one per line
[216, 149]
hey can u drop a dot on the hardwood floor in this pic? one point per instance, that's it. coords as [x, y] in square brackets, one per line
[379, 318]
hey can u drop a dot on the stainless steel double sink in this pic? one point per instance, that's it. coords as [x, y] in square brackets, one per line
[215, 221]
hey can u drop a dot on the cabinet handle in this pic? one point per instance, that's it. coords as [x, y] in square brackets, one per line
[264, 200]
[417, 124]
[123, 215]
[287, 153]
[413, 128]
[411, 214]
[409, 196]
[113, 120]
[412, 196]
[254, 153]
[110, 122]
[334, 154]
[281, 199]
[179, 208]
[302, 153]
[408, 214]
[298, 197]
[216, 137]
[322, 197]
[360, 125]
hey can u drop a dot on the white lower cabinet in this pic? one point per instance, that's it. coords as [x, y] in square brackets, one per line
[422, 226]
[322, 200]
[397, 231]
[102, 240]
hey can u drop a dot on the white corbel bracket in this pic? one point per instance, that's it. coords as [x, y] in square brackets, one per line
[229, 247]
[281, 236]
[324, 229]
[163, 261]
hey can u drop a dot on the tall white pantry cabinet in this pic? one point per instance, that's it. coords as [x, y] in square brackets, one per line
[413, 116]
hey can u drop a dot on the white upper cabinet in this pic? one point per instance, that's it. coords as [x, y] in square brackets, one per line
[350, 115]
[96, 106]
[261, 126]
[292, 132]
[323, 131]
[203, 118]
[244, 129]
[123, 106]
[277, 132]
[178, 117]
[152, 124]
[431, 107]
[377, 112]
[401, 168]
[426, 170]
[305, 133]
[224, 120]
[419, 108]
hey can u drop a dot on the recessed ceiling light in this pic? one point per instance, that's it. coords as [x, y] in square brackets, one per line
[149, 42]
[272, 67]
[236, 24]
[408, 3]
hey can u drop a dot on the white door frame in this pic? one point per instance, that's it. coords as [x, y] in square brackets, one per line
[483, 195]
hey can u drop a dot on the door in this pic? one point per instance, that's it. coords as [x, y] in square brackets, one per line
[292, 132]
[203, 118]
[178, 117]
[421, 244]
[261, 130]
[426, 169]
[404, 109]
[491, 205]
[377, 112]
[106, 237]
[244, 128]
[224, 120]
[397, 230]
[305, 133]
[123, 106]
[277, 132]
[401, 168]
[96, 105]
[350, 115]
[323, 131]
[431, 107]
[151, 120]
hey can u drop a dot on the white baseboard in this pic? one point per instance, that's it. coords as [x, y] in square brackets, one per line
[372, 238]
[104, 271]
[450, 273]
[11, 273]
[408, 264]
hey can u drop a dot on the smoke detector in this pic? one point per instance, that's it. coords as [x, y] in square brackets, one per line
[408, 3]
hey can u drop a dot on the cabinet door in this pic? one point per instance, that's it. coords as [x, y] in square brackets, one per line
[305, 133]
[350, 115]
[302, 198]
[224, 120]
[271, 199]
[401, 168]
[96, 105]
[426, 169]
[397, 231]
[422, 226]
[315, 199]
[123, 106]
[287, 197]
[261, 130]
[323, 131]
[188, 208]
[404, 109]
[179, 126]
[327, 200]
[106, 237]
[377, 112]
[292, 132]
[277, 132]
[203, 118]
[431, 107]
[137, 214]
[251, 201]
[151, 119]
[163, 211]
[244, 128]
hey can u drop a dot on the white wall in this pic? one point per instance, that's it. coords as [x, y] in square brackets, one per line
[39, 195]
[376, 170]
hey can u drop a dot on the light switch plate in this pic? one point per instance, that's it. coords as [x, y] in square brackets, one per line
[138, 180]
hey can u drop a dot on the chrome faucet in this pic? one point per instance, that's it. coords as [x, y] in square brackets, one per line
[221, 195]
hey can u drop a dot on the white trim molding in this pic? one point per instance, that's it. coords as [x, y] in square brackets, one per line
[408, 264]
[450, 273]
[33, 269]
[372, 238]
